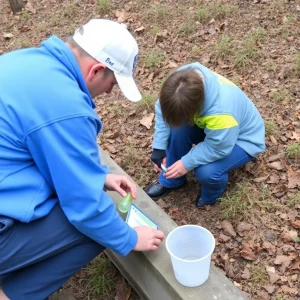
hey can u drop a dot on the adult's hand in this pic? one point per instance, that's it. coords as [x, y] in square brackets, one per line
[120, 184]
[149, 239]
[176, 170]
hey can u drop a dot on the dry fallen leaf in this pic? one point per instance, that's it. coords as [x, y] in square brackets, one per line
[288, 290]
[269, 247]
[121, 15]
[247, 252]
[295, 136]
[205, 60]
[273, 277]
[243, 227]
[276, 157]
[224, 238]
[296, 224]
[283, 259]
[277, 165]
[111, 149]
[273, 140]
[228, 228]
[289, 236]
[122, 291]
[172, 65]
[261, 179]
[141, 28]
[162, 204]
[147, 120]
[29, 8]
[294, 178]
[246, 274]
[273, 179]
[8, 35]
[269, 288]
[296, 265]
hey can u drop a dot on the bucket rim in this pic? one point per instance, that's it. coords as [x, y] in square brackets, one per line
[191, 260]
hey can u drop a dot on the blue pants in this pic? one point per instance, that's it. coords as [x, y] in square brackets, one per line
[213, 177]
[37, 258]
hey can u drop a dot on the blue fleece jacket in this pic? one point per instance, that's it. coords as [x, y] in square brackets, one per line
[228, 118]
[48, 148]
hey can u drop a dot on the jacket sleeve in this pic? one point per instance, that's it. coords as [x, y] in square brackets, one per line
[218, 143]
[66, 154]
[162, 130]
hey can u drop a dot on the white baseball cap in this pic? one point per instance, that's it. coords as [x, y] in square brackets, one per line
[113, 45]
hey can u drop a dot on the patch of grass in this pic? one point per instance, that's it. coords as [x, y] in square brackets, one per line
[195, 50]
[202, 15]
[271, 127]
[214, 9]
[248, 53]
[271, 66]
[281, 297]
[286, 29]
[25, 43]
[131, 155]
[161, 13]
[115, 109]
[293, 150]
[104, 5]
[279, 95]
[294, 200]
[146, 103]
[54, 20]
[236, 80]
[25, 14]
[224, 48]
[186, 29]
[154, 59]
[296, 63]
[259, 35]
[155, 30]
[71, 29]
[40, 27]
[70, 11]
[297, 240]
[259, 275]
[244, 203]
[221, 10]
[242, 60]
[103, 138]
[274, 6]
[100, 276]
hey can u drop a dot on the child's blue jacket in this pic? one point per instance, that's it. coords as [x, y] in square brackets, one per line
[228, 118]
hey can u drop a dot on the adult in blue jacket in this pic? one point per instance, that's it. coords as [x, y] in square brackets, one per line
[201, 108]
[55, 215]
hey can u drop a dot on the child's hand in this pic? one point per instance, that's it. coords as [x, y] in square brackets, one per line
[157, 157]
[176, 170]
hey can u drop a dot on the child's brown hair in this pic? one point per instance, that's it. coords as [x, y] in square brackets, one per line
[181, 97]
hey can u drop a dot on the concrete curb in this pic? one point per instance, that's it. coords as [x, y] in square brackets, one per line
[151, 273]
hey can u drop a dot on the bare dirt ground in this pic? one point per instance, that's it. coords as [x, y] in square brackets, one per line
[254, 43]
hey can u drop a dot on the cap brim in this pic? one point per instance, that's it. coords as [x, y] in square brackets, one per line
[128, 88]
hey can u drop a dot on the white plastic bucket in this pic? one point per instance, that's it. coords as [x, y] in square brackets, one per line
[190, 248]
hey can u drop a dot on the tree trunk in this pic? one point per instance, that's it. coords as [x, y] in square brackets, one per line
[16, 5]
